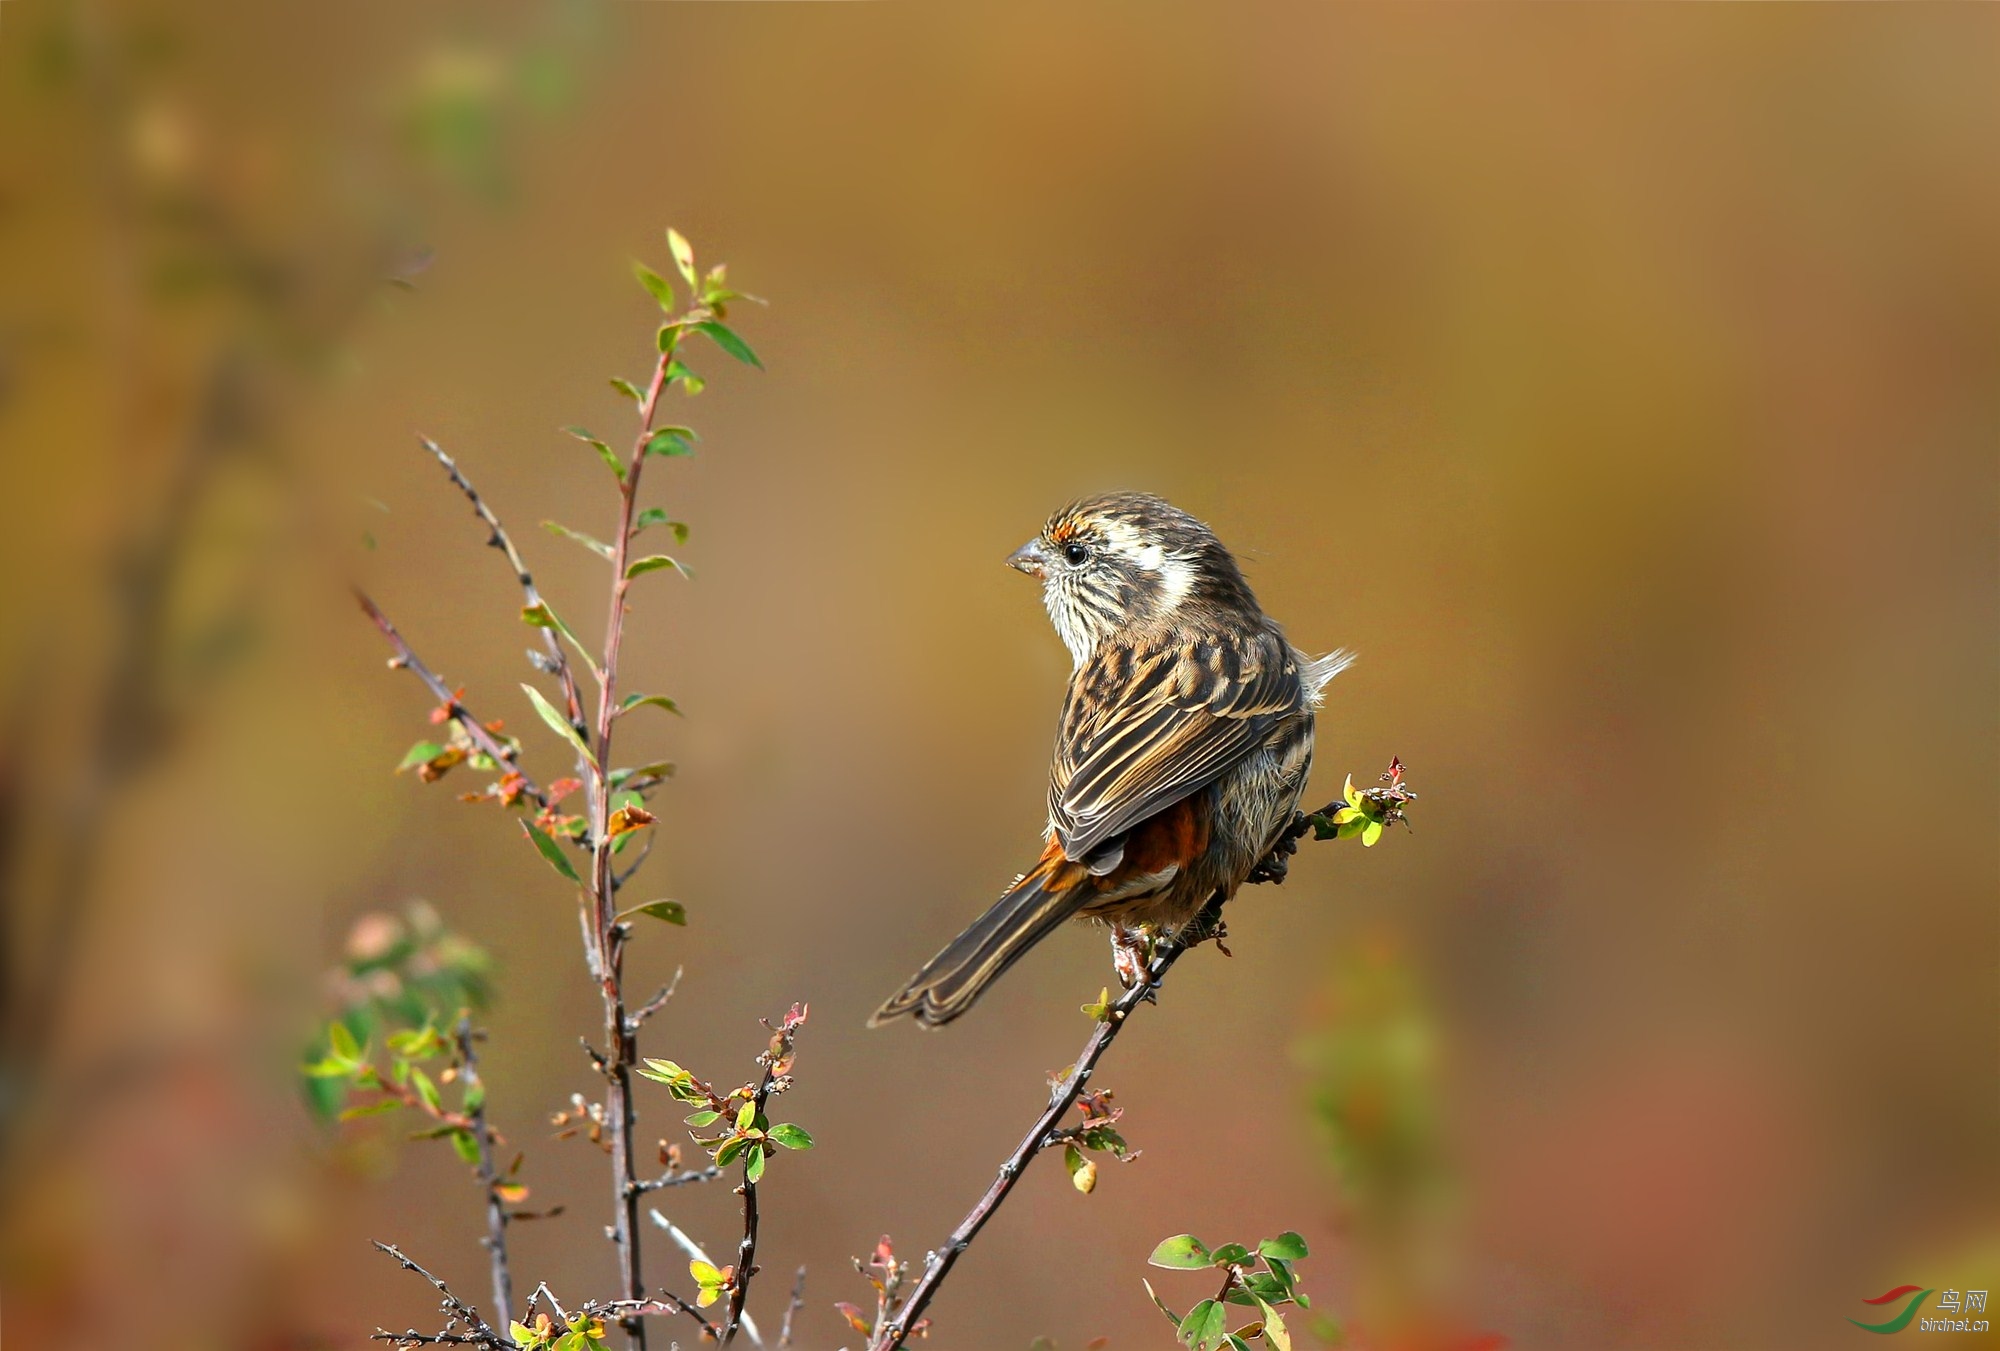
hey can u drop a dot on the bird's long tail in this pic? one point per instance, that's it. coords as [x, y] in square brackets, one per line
[951, 981]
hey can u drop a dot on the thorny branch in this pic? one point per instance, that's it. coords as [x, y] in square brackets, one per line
[456, 1311]
[495, 1241]
[746, 1250]
[407, 659]
[1386, 802]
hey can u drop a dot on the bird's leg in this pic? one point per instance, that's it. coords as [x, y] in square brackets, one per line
[1128, 954]
[1274, 866]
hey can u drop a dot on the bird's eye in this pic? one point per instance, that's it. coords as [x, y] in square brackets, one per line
[1076, 554]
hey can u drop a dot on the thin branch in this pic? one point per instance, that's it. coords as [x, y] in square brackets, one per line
[407, 659]
[495, 1241]
[498, 538]
[746, 1250]
[456, 1311]
[657, 1002]
[678, 1178]
[892, 1333]
[686, 1244]
[798, 1301]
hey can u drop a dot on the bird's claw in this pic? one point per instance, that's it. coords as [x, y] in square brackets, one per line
[1128, 956]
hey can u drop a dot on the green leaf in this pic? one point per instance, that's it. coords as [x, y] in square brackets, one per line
[475, 1096]
[705, 1274]
[370, 1109]
[604, 452]
[425, 1088]
[664, 1071]
[1229, 1255]
[341, 1039]
[596, 546]
[791, 1136]
[753, 1163]
[658, 516]
[653, 563]
[1286, 1247]
[467, 1147]
[705, 1117]
[551, 851]
[727, 1154]
[683, 253]
[558, 723]
[540, 616]
[657, 286]
[1275, 1333]
[1183, 1252]
[1371, 833]
[1159, 1303]
[1204, 1327]
[628, 389]
[420, 754]
[671, 441]
[670, 911]
[745, 1115]
[658, 769]
[633, 701]
[725, 338]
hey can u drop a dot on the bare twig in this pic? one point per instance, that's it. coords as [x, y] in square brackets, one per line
[557, 659]
[495, 1241]
[678, 1178]
[455, 1309]
[657, 1002]
[798, 1301]
[407, 659]
[892, 1333]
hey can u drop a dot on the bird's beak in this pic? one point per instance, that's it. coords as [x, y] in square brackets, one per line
[1029, 558]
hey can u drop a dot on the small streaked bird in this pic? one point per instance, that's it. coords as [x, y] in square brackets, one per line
[1186, 737]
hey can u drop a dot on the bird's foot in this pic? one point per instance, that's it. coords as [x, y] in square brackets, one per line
[1276, 865]
[1128, 955]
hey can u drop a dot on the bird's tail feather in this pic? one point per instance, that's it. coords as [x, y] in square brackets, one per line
[951, 981]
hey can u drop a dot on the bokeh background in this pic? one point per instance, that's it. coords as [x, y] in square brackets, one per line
[1622, 383]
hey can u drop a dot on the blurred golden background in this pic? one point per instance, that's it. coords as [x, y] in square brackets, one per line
[1623, 384]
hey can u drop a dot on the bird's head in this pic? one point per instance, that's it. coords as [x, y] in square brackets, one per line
[1126, 561]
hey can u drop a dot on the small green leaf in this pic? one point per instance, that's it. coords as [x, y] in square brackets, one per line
[790, 1136]
[341, 1039]
[628, 389]
[683, 253]
[1275, 1333]
[425, 1088]
[1371, 833]
[656, 286]
[670, 911]
[1204, 1327]
[420, 754]
[658, 516]
[725, 338]
[1159, 1303]
[753, 1163]
[665, 1071]
[596, 546]
[1229, 1255]
[1286, 1247]
[558, 723]
[727, 1154]
[705, 1117]
[653, 563]
[705, 1274]
[671, 441]
[1349, 792]
[551, 851]
[540, 616]
[633, 701]
[370, 1109]
[604, 452]
[1183, 1252]
[746, 1114]
[467, 1147]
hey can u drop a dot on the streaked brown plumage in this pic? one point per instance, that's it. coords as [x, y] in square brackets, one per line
[1185, 740]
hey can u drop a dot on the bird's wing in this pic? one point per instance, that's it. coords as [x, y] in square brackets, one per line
[1144, 727]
